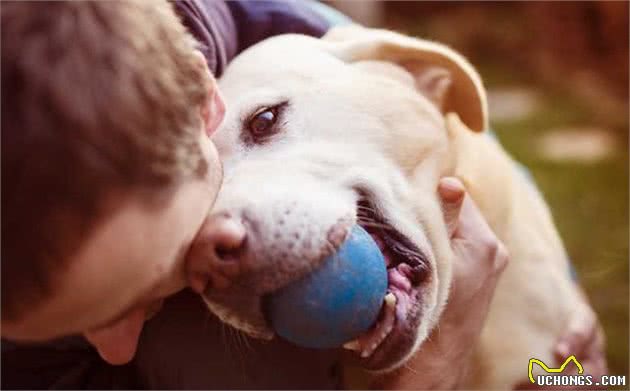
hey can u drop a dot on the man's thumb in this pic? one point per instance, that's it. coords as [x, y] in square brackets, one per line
[451, 191]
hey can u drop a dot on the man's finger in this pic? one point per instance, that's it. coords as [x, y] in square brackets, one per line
[579, 335]
[452, 192]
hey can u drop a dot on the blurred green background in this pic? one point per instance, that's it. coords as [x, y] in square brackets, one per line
[557, 77]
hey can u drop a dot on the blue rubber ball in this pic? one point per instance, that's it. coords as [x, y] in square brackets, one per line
[338, 301]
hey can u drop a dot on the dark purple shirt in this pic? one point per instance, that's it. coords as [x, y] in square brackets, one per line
[224, 29]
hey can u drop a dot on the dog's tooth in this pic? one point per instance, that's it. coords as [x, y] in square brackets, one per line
[352, 345]
[390, 299]
[390, 302]
[385, 333]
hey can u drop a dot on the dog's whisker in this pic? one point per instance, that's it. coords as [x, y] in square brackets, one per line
[226, 337]
[229, 339]
[239, 352]
[409, 367]
[375, 225]
[365, 211]
[238, 343]
[243, 339]
[247, 342]
[366, 221]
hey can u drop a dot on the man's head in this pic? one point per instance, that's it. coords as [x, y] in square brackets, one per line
[107, 168]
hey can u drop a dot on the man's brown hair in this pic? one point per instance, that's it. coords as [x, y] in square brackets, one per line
[97, 97]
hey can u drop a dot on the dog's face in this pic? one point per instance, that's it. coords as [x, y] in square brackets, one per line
[322, 134]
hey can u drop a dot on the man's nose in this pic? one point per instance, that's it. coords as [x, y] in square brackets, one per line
[216, 254]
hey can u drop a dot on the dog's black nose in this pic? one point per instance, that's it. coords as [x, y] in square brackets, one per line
[215, 256]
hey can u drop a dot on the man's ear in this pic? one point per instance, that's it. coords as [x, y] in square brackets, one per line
[213, 109]
[442, 75]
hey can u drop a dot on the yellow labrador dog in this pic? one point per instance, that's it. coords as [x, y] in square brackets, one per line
[358, 127]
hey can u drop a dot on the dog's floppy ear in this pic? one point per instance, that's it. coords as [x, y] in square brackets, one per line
[441, 74]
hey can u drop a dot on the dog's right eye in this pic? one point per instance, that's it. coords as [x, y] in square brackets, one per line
[264, 122]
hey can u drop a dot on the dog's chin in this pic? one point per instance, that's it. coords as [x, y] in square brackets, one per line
[398, 330]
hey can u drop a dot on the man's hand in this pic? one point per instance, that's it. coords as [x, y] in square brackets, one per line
[583, 338]
[479, 260]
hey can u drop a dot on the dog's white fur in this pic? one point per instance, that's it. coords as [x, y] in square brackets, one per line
[381, 111]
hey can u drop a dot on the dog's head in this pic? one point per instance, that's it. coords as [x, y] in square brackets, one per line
[320, 134]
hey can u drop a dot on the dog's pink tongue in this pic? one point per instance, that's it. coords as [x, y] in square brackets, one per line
[117, 342]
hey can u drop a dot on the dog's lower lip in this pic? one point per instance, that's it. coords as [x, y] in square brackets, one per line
[400, 336]
[400, 340]
[408, 268]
